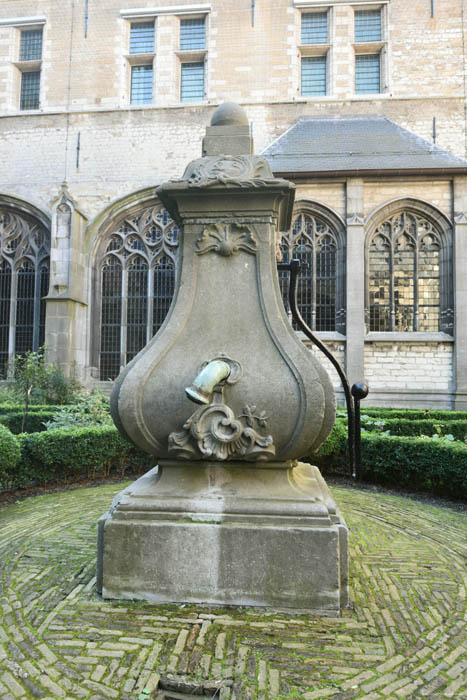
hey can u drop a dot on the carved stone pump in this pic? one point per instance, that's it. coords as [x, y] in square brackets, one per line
[228, 515]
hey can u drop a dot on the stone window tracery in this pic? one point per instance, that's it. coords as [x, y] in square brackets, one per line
[137, 279]
[409, 274]
[320, 292]
[24, 282]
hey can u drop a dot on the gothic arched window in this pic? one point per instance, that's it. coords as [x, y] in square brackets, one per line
[24, 282]
[318, 244]
[409, 275]
[137, 281]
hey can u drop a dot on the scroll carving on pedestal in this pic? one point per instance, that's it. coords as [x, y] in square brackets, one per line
[213, 432]
[229, 170]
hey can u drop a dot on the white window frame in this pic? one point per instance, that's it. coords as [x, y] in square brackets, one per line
[17, 67]
[374, 47]
[315, 50]
[194, 11]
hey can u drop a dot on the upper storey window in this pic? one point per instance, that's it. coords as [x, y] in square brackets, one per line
[368, 25]
[192, 34]
[192, 82]
[192, 68]
[141, 85]
[31, 45]
[30, 90]
[142, 37]
[313, 76]
[315, 28]
[370, 52]
[30, 56]
[367, 74]
[141, 59]
[314, 53]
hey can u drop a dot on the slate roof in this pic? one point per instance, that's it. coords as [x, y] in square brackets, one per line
[318, 146]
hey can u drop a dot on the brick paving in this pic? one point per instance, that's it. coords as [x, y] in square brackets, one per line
[404, 636]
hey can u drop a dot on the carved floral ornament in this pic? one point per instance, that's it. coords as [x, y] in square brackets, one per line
[226, 239]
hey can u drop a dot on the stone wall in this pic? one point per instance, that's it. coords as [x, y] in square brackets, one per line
[437, 191]
[338, 350]
[404, 365]
[253, 58]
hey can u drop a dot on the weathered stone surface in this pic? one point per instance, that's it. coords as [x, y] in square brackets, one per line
[219, 530]
[227, 302]
[229, 132]
[235, 534]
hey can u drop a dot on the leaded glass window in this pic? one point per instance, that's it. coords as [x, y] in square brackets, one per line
[141, 85]
[137, 280]
[142, 37]
[192, 82]
[406, 257]
[315, 28]
[320, 288]
[313, 76]
[5, 303]
[192, 34]
[24, 282]
[367, 25]
[30, 90]
[367, 74]
[30, 48]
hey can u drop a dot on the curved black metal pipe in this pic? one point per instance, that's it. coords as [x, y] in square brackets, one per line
[294, 268]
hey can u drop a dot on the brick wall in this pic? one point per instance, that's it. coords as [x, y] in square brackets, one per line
[405, 365]
[338, 350]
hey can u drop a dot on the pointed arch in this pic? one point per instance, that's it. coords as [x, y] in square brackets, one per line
[134, 248]
[408, 268]
[24, 277]
[317, 239]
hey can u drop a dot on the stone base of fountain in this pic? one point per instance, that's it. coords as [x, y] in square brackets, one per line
[265, 534]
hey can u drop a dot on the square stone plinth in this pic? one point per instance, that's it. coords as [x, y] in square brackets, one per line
[230, 534]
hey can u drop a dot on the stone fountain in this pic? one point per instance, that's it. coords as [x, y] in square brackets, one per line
[227, 399]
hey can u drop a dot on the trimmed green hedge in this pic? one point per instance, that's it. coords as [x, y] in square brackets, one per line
[34, 422]
[408, 462]
[10, 451]
[6, 408]
[407, 427]
[412, 413]
[69, 453]
[436, 466]
[334, 446]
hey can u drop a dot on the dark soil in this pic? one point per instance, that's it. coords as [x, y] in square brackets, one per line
[14, 495]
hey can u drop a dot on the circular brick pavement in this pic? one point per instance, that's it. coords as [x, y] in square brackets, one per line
[404, 637]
